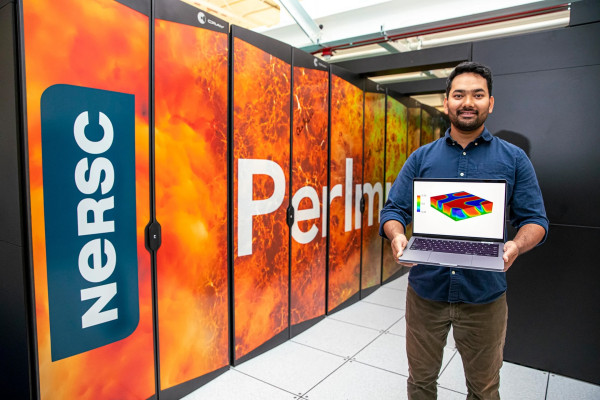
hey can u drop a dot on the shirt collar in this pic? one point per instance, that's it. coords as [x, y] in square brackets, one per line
[485, 135]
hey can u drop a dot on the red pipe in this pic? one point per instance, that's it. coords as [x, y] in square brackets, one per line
[485, 21]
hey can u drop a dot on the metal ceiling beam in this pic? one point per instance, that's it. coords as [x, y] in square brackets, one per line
[391, 49]
[458, 26]
[304, 21]
[333, 22]
[440, 57]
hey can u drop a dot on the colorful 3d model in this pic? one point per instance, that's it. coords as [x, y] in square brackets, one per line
[461, 205]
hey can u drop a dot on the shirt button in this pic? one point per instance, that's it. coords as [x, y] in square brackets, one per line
[462, 174]
[476, 143]
[464, 153]
[453, 272]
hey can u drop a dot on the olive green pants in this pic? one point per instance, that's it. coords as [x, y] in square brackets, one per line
[479, 331]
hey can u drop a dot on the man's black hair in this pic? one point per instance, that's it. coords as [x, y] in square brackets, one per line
[472, 67]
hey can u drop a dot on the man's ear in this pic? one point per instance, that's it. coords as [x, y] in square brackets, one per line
[491, 105]
[446, 105]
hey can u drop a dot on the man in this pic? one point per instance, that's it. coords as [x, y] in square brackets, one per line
[472, 302]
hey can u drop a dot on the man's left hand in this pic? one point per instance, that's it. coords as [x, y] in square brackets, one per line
[511, 252]
[526, 238]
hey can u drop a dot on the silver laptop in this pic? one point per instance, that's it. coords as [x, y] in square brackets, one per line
[458, 223]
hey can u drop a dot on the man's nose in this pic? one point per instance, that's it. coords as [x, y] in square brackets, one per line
[468, 100]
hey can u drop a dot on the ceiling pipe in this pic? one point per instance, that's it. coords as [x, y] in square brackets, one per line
[328, 51]
[304, 21]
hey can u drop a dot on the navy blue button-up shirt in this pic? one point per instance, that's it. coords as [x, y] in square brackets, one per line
[487, 157]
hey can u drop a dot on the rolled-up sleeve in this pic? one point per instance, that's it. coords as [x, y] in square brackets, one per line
[527, 204]
[398, 206]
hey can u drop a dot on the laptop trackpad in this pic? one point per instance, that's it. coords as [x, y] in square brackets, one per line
[415, 256]
[452, 259]
[496, 263]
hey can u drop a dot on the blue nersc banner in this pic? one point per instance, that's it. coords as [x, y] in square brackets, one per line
[88, 152]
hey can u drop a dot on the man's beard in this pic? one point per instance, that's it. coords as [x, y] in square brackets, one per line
[470, 125]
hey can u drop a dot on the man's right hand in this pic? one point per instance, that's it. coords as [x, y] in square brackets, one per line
[394, 230]
[398, 244]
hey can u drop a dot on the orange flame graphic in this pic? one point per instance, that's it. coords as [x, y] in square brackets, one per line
[414, 130]
[191, 200]
[396, 144]
[84, 44]
[261, 130]
[310, 133]
[426, 128]
[374, 151]
[346, 143]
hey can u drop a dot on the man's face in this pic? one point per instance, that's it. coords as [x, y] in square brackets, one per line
[469, 102]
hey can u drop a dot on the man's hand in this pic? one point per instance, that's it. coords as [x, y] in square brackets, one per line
[394, 230]
[511, 252]
[527, 238]
[398, 245]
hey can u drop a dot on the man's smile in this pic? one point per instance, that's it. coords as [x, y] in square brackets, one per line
[467, 113]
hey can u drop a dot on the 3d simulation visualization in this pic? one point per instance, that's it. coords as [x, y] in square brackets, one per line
[461, 205]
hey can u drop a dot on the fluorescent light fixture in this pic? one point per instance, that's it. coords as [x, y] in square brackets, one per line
[487, 31]
[433, 100]
[412, 76]
[558, 21]
[304, 21]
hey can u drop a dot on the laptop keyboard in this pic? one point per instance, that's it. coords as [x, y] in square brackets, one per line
[456, 247]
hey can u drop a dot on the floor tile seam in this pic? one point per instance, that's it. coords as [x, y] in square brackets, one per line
[385, 305]
[404, 336]
[351, 323]
[267, 383]
[451, 390]
[372, 303]
[377, 367]
[390, 288]
[448, 363]
[557, 375]
[388, 330]
[392, 325]
[393, 288]
[366, 301]
[381, 333]
[321, 350]
[300, 396]
[504, 362]
[347, 360]
[547, 386]
[395, 334]
[370, 327]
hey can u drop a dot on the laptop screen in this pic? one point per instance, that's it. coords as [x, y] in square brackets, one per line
[459, 208]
